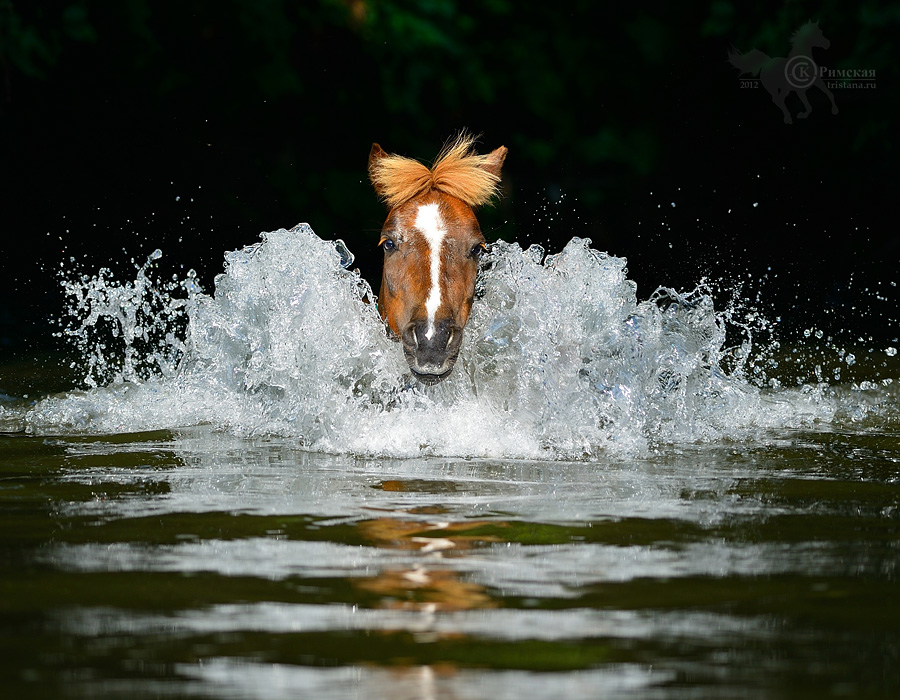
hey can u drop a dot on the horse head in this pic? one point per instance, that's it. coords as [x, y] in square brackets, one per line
[432, 243]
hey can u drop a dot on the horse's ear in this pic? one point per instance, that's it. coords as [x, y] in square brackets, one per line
[375, 156]
[494, 161]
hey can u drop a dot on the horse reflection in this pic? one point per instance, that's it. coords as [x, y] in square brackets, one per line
[428, 586]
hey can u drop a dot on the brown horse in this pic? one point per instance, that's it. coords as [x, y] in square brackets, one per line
[432, 242]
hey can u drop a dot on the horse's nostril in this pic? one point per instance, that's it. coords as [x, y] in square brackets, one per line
[431, 348]
[426, 338]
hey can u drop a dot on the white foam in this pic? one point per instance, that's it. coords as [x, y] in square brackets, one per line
[560, 360]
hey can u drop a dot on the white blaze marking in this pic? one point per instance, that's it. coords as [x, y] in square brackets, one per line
[429, 222]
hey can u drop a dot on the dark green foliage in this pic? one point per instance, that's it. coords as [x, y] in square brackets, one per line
[271, 105]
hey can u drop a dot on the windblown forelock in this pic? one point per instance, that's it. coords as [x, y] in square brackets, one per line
[457, 172]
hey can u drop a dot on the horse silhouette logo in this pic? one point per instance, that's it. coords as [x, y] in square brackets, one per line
[795, 73]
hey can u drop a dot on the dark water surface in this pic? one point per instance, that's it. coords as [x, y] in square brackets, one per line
[196, 564]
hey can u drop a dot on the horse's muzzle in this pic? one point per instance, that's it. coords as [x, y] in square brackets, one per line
[431, 351]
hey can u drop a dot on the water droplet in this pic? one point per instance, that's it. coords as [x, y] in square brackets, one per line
[347, 257]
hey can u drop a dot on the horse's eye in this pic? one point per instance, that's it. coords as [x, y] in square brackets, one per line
[388, 244]
[477, 250]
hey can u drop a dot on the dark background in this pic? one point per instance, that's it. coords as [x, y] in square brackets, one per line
[193, 125]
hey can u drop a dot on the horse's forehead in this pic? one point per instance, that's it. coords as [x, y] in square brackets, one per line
[453, 216]
[456, 213]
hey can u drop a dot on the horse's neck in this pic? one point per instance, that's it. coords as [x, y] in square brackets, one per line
[800, 47]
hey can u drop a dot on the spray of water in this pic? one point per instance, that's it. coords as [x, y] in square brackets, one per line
[560, 360]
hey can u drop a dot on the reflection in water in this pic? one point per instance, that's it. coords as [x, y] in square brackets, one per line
[427, 586]
[197, 564]
[430, 682]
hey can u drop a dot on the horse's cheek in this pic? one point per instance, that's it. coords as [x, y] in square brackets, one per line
[388, 307]
[387, 297]
[466, 310]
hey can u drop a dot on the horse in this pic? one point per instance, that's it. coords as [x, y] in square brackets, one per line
[432, 244]
[795, 73]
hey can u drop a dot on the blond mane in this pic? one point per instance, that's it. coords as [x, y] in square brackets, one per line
[458, 171]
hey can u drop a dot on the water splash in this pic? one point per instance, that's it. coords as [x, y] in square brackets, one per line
[560, 360]
[127, 331]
